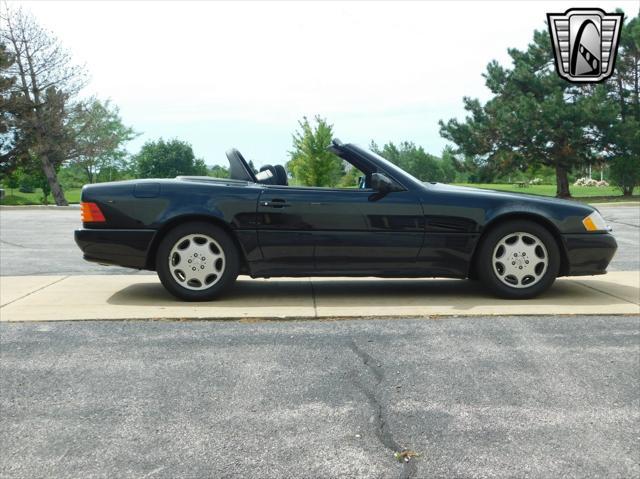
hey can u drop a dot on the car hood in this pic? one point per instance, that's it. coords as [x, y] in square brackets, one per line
[507, 195]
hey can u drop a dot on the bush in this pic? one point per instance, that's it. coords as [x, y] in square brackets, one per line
[625, 174]
[71, 177]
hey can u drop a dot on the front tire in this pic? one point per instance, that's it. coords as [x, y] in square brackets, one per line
[518, 260]
[197, 261]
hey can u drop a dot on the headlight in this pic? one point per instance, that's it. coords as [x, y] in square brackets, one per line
[595, 222]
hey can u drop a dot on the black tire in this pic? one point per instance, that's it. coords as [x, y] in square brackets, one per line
[227, 277]
[484, 260]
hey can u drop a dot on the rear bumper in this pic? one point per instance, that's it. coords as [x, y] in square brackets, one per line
[589, 253]
[126, 248]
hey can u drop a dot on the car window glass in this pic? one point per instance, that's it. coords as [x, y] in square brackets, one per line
[345, 176]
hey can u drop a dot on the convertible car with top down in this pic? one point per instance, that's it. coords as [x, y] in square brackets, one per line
[200, 233]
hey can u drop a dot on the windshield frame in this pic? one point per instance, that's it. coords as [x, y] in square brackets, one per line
[394, 171]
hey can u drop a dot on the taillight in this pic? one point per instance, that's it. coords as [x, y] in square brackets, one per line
[90, 213]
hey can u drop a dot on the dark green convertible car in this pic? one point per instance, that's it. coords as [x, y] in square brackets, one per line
[199, 233]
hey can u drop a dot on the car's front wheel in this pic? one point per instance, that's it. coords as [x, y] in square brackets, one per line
[518, 260]
[197, 261]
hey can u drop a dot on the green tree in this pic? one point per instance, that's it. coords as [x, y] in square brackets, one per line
[98, 139]
[534, 117]
[312, 164]
[167, 159]
[218, 171]
[351, 178]
[420, 164]
[29, 177]
[71, 176]
[625, 173]
[7, 132]
[413, 159]
[623, 135]
[449, 165]
[46, 81]
[12, 181]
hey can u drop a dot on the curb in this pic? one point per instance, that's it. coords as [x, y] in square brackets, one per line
[74, 206]
[617, 203]
[322, 319]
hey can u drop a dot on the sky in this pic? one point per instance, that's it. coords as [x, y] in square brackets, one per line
[242, 74]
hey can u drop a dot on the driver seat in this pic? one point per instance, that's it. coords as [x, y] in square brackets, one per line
[281, 175]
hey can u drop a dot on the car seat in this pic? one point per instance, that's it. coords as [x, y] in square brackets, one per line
[281, 175]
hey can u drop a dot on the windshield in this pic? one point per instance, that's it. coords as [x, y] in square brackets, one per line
[395, 170]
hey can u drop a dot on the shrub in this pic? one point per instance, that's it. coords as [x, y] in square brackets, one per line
[625, 174]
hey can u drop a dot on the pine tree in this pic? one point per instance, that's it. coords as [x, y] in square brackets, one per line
[312, 164]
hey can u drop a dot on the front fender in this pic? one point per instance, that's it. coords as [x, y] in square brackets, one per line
[560, 216]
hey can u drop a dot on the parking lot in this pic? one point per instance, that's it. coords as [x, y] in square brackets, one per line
[474, 395]
[39, 241]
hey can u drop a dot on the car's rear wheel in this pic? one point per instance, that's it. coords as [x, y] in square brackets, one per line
[518, 260]
[197, 261]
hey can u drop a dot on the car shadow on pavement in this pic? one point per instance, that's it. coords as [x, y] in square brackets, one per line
[368, 294]
[281, 293]
[457, 295]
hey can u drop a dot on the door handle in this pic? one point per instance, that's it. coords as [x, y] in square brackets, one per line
[275, 203]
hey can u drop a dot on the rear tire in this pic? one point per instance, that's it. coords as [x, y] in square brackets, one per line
[197, 261]
[518, 260]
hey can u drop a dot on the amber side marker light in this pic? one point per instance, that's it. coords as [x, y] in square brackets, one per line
[90, 213]
[595, 222]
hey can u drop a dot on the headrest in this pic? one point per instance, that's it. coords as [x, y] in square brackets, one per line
[281, 175]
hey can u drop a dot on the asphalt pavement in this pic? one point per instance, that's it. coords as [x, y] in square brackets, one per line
[41, 242]
[481, 397]
[625, 221]
[474, 396]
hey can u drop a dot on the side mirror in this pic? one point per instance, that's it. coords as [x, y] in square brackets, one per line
[383, 184]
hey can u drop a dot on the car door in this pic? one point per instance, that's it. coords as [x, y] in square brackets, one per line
[289, 221]
[365, 233]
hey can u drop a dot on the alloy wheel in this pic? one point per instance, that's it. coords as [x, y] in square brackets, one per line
[520, 260]
[196, 261]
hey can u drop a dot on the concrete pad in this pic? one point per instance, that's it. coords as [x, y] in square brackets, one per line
[435, 297]
[143, 297]
[15, 287]
[621, 284]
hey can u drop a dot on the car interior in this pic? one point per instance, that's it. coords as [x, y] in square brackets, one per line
[239, 169]
[273, 175]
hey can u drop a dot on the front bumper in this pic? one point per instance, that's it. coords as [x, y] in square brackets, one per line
[126, 248]
[589, 253]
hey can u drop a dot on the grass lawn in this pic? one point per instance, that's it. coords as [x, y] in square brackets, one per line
[582, 193]
[17, 198]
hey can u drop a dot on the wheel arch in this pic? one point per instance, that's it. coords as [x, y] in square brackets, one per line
[536, 218]
[182, 219]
